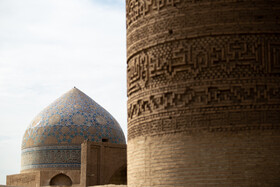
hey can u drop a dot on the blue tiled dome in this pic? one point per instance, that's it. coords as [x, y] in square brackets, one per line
[64, 125]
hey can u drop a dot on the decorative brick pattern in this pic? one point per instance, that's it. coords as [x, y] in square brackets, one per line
[148, 26]
[201, 68]
[194, 60]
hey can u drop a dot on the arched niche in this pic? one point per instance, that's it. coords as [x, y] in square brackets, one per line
[120, 176]
[61, 180]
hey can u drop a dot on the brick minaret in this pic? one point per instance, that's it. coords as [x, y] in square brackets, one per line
[203, 85]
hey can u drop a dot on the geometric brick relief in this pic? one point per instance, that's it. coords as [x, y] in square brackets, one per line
[219, 121]
[194, 25]
[205, 58]
[197, 97]
[198, 69]
[136, 9]
[274, 57]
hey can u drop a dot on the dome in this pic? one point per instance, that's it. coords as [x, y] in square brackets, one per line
[54, 137]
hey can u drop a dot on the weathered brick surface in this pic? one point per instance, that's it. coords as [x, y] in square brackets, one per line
[203, 85]
[103, 163]
[112, 185]
[205, 159]
[31, 179]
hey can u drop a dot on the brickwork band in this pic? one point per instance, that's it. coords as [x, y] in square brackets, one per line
[203, 85]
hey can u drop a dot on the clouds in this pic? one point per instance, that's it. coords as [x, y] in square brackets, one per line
[49, 46]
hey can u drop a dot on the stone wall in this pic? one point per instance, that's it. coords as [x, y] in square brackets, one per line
[203, 85]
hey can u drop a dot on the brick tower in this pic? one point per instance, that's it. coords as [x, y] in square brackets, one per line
[203, 85]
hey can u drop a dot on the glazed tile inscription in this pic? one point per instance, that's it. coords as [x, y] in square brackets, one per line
[51, 156]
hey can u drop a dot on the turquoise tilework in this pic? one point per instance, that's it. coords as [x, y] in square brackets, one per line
[73, 114]
[68, 121]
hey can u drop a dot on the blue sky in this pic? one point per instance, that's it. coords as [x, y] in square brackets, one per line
[111, 3]
[46, 48]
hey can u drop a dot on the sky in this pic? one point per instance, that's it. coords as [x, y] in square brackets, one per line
[46, 48]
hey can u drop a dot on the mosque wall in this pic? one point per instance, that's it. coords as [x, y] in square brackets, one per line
[31, 179]
[52, 154]
[203, 86]
[109, 185]
[102, 162]
[48, 175]
[42, 178]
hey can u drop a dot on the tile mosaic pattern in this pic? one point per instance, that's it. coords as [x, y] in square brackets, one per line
[68, 121]
[51, 157]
